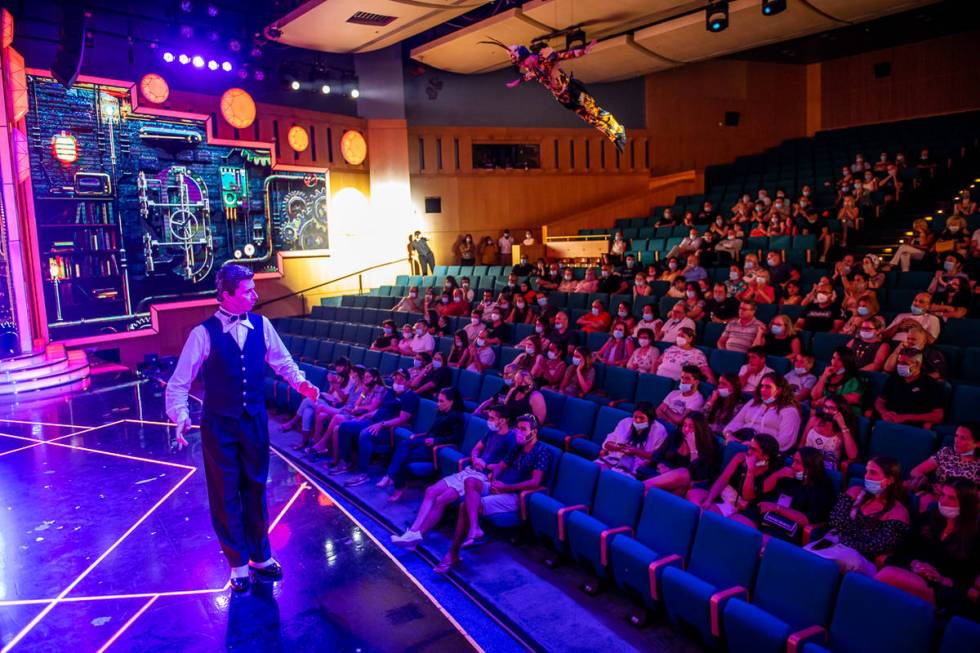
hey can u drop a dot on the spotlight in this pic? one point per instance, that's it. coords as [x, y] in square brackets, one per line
[773, 7]
[184, 59]
[259, 75]
[256, 52]
[198, 61]
[212, 65]
[325, 89]
[186, 31]
[716, 16]
[242, 73]
[186, 6]
[168, 57]
[354, 93]
[235, 45]
[226, 66]
[294, 85]
[213, 11]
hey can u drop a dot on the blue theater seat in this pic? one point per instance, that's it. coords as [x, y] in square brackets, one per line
[450, 459]
[577, 416]
[511, 520]
[723, 564]
[794, 596]
[872, 616]
[961, 636]
[574, 486]
[588, 445]
[422, 421]
[617, 504]
[663, 537]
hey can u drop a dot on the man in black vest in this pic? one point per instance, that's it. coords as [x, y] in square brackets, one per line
[230, 349]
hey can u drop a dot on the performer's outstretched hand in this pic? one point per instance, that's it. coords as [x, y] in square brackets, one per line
[309, 391]
[183, 426]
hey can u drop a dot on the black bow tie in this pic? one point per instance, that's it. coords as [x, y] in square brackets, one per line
[233, 318]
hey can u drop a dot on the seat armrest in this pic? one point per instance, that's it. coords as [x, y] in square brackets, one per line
[799, 638]
[715, 606]
[604, 541]
[668, 561]
[809, 530]
[435, 454]
[561, 517]
[615, 402]
[523, 499]
[569, 438]
[463, 462]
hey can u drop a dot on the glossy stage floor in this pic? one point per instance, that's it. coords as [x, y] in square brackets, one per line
[106, 544]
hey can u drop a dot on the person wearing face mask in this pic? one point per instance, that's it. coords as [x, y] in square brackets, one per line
[589, 284]
[842, 378]
[520, 312]
[595, 321]
[780, 339]
[530, 349]
[480, 355]
[686, 399]
[468, 293]
[475, 325]
[694, 271]
[771, 411]
[952, 268]
[405, 342]
[641, 287]
[543, 309]
[801, 494]
[435, 375]
[446, 428]
[648, 316]
[525, 468]
[505, 245]
[690, 243]
[398, 408]
[959, 460]
[523, 268]
[488, 452]
[724, 402]
[939, 562]
[735, 283]
[520, 398]
[467, 251]
[610, 282]
[689, 456]
[461, 344]
[410, 303]
[357, 412]
[456, 306]
[645, 355]
[666, 219]
[549, 369]
[864, 309]
[563, 335]
[831, 430]
[730, 242]
[580, 375]
[821, 311]
[870, 352]
[632, 443]
[681, 353]
[671, 271]
[616, 351]
[909, 396]
[694, 301]
[737, 491]
[422, 341]
[953, 239]
[551, 280]
[617, 248]
[867, 521]
[418, 368]
[919, 316]
[498, 332]
[388, 340]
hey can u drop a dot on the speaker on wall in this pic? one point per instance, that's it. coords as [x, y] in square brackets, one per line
[433, 205]
[68, 59]
[732, 118]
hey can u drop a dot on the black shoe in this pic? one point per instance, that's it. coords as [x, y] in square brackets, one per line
[272, 572]
[240, 585]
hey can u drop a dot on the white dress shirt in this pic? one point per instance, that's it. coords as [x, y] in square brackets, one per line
[198, 346]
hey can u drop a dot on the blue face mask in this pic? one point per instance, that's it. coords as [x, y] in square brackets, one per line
[916, 310]
[684, 387]
[863, 311]
[948, 266]
[872, 487]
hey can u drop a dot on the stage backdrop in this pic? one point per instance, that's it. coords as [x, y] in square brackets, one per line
[132, 209]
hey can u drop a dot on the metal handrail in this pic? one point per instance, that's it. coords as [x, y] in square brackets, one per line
[326, 283]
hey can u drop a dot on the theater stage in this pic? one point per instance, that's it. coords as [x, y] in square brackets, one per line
[106, 544]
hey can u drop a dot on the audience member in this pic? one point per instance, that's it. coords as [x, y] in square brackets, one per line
[677, 320]
[580, 375]
[754, 369]
[960, 460]
[841, 378]
[681, 353]
[617, 350]
[909, 396]
[741, 333]
[771, 411]
[686, 399]
[632, 443]
[737, 491]
[803, 493]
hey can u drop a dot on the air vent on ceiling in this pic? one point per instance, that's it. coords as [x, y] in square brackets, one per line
[374, 20]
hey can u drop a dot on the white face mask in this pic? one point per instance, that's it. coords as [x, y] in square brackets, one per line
[529, 351]
[539, 329]
[641, 426]
[398, 387]
[822, 298]
[648, 317]
[644, 342]
[495, 316]
[474, 320]
[480, 342]
[595, 311]
[552, 355]
[576, 361]
[949, 512]
[681, 341]
[724, 392]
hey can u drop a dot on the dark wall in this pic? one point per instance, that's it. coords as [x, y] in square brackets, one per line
[122, 47]
[484, 100]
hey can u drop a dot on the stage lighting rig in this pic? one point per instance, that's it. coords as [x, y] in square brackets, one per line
[773, 7]
[716, 16]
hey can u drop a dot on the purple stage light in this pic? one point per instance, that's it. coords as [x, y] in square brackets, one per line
[212, 65]
[184, 59]
[213, 11]
[259, 75]
[168, 57]
[226, 66]
[186, 31]
[242, 73]
[235, 45]
[256, 52]
[198, 61]
[186, 6]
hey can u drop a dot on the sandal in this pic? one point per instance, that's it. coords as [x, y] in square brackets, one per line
[446, 564]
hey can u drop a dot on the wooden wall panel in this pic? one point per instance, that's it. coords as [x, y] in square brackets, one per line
[686, 107]
[927, 78]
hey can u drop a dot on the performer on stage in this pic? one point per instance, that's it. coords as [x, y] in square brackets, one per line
[231, 348]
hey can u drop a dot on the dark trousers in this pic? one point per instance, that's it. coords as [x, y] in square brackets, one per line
[368, 444]
[407, 451]
[427, 262]
[347, 433]
[236, 465]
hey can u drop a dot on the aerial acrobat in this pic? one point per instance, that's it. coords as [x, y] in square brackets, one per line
[542, 66]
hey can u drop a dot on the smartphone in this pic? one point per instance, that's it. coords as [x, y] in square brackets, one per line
[822, 544]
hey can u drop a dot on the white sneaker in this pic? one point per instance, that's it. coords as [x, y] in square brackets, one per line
[408, 537]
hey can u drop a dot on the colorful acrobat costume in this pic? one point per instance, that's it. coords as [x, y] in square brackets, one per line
[542, 66]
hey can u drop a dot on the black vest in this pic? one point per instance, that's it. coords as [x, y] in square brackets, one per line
[233, 376]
